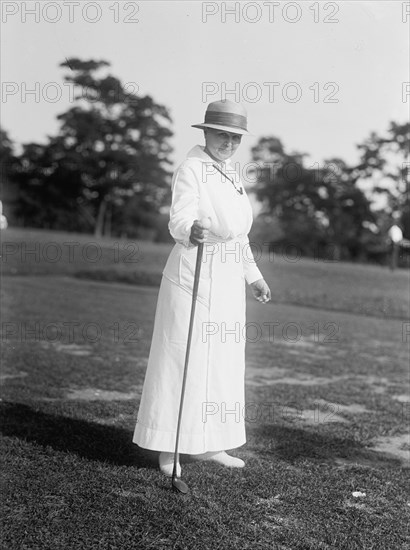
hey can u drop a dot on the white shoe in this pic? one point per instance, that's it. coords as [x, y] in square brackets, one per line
[221, 457]
[166, 464]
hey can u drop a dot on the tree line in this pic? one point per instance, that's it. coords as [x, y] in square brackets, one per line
[108, 171]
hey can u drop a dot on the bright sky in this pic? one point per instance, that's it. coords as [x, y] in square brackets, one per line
[175, 51]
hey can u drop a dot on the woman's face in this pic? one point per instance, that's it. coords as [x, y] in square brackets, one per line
[222, 145]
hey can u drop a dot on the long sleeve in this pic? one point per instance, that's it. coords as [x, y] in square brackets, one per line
[250, 268]
[185, 205]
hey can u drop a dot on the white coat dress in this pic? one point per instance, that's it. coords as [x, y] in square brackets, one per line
[213, 412]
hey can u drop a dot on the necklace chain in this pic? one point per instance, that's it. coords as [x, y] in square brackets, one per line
[240, 190]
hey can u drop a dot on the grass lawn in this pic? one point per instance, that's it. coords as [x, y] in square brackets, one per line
[327, 385]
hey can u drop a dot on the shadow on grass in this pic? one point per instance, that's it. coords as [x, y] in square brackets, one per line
[113, 445]
[291, 444]
[89, 440]
[118, 275]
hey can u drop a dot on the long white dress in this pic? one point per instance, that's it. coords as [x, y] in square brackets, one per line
[213, 412]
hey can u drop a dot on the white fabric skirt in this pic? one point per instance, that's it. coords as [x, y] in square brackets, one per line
[213, 411]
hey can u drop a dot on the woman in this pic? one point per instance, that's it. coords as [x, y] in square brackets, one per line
[205, 185]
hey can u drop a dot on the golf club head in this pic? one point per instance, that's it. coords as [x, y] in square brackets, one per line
[179, 486]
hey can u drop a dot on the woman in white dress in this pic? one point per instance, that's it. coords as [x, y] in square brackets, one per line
[205, 185]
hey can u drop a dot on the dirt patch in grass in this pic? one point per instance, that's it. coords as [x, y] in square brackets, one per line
[313, 417]
[353, 408]
[71, 349]
[298, 379]
[95, 394]
[397, 445]
[404, 398]
[377, 384]
[6, 376]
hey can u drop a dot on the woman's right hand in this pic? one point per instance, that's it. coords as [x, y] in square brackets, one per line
[199, 233]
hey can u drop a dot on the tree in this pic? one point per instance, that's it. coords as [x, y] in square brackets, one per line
[6, 147]
[9, 191]
[288, 193]
[318, 209]
[112, 145]
[384, 169]
[343, 209]
[49, 188]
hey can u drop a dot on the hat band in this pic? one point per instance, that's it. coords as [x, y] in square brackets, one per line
[225, 119]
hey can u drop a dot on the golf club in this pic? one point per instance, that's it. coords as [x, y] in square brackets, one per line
[177, 483]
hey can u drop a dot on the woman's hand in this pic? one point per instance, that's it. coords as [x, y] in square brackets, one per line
[199, 231]
[261, 291]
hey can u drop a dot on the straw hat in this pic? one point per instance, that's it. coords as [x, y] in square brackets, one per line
[225, 115]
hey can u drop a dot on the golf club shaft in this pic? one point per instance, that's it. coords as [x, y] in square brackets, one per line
[188, 347]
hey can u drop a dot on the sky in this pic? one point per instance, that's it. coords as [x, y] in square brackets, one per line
[319, 75]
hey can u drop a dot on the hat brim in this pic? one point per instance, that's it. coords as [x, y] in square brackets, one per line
[225, 128]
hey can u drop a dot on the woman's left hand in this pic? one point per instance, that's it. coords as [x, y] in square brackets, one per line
[261, 291]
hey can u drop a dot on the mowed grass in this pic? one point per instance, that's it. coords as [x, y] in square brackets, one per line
[363, 289]
[327, 410]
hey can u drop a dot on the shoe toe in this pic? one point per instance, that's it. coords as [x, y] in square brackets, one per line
[166, 465]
